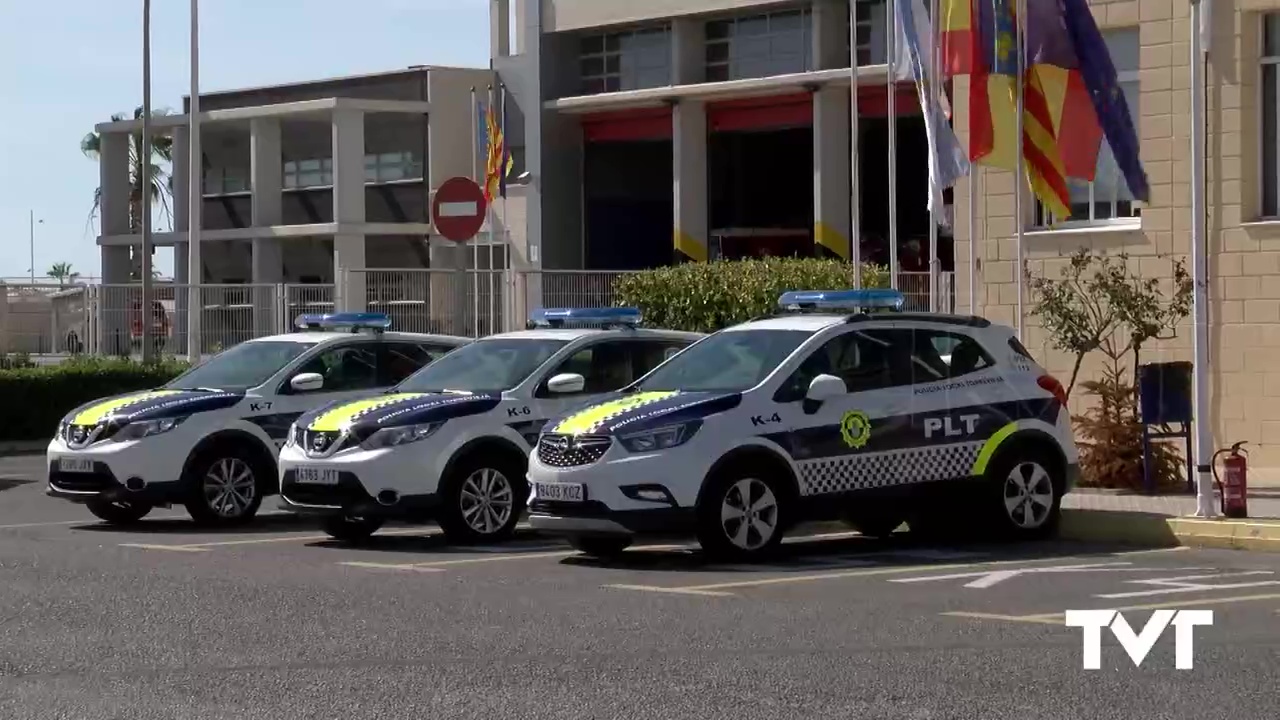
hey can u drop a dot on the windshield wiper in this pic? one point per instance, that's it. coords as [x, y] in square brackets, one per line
[200, 389]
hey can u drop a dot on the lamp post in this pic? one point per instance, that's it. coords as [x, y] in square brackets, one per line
[195, 200]
[31, 218]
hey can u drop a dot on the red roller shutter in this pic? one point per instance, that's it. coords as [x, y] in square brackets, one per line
[766, 113]
[628, 125]
[873, 101]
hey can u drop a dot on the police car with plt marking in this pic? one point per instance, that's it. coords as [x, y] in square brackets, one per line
[840, 406]
[451, 443]
[208, 439]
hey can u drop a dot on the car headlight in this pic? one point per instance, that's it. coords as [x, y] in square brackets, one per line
[147, 428]
[660, 438]
[293, 436]
[396, 436]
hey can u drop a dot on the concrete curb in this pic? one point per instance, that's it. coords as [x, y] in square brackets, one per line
[22, 447]
[1152, 530]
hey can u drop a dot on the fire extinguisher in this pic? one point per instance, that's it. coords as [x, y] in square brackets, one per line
[1233, 485]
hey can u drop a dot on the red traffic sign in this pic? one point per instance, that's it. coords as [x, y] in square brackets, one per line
[458, 209]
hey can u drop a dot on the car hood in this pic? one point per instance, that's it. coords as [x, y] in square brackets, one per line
[151, 405]
[642, 411]
[396, 410]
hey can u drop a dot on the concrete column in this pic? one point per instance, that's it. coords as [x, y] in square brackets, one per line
[267, 181]
[113, 214]
[348, 207]
[500, 28]
[181, 206]
[688, 54]
[830, 34]
[690, 182]
[4, 318]
[832, 215]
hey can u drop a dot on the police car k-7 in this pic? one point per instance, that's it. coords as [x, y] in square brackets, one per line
[818, 412]
[208, 439]
[451, 443]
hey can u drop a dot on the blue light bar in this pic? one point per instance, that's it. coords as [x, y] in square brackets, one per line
[841, 300]
[353, 320]
[552, 317]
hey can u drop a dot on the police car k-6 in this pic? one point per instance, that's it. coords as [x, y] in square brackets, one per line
[208, 439]
[818, 412]
[451, 443]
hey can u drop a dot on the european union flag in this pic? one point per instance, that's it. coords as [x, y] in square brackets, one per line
[1099, 76]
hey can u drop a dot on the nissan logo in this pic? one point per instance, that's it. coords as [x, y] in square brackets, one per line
[319, 442]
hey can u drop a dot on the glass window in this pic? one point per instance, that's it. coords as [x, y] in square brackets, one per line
[759, 46]
[400, 360]
[348, 367]
[483, 366]
[1107, 198]
[625, 61]
[730, 361]
[241, 367]
[649, 354]
[862, 361]
[1271, 115]
[960, 353]
[606, 366]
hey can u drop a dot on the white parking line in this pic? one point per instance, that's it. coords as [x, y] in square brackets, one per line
[204, 547]
[1059, 618]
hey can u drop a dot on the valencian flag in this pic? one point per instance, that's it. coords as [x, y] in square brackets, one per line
[496, 155]
[1068, 81]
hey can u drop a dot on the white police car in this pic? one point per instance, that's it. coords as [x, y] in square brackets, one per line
[451, 443]
[814, 413]
[207, 440]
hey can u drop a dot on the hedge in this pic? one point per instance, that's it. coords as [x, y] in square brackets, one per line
[705, 297]
[37, 398]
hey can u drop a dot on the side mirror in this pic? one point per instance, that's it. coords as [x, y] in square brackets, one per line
[566, 383]
[824, 388]
[307, 382]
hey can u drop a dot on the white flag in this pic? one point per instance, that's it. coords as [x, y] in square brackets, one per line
[947, 161]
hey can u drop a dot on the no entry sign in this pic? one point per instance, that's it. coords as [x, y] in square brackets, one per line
[458, 209]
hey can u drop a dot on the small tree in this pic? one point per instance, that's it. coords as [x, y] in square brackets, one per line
[1098, 304]
[63, 273]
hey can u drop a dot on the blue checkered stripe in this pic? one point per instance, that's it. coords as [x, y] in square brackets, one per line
[863, 471]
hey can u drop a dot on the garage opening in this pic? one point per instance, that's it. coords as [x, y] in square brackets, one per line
[760, 177]
[628, 204]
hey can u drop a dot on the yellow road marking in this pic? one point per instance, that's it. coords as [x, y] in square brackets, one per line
[203, 547]
[1060, 618]
[442, 564]
[839, 574]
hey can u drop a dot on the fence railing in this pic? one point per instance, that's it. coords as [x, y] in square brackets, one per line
[108, 319]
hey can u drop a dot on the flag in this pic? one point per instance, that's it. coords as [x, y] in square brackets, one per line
[947, 162]
[958, 36]
[1098, 75]
[497, 158]
[1053, 56]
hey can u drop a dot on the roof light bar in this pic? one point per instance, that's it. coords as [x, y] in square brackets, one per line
[841, 300]
[356, 321]
[557, 317]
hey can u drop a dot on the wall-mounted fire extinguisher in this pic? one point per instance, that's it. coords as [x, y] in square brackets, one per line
[1233, 485]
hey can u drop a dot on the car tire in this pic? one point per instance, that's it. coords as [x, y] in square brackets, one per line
[349, 529]
[741, 515]
[118, 513]
[878, 523]
[601, 547]
[1023, 494]
[482, 498]
[226, 484]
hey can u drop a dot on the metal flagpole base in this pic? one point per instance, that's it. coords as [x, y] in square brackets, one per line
[1206, 498]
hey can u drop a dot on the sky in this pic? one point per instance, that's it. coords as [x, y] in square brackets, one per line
[70, 64]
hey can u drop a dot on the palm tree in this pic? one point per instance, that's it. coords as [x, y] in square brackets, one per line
[63, 274]
[161, 162]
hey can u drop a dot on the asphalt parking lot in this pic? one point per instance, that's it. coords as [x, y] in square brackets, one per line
[275, 621]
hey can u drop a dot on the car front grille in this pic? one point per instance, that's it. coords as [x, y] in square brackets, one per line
[572, 450]
[318, 443]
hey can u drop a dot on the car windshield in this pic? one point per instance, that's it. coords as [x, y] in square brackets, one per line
[725, 362]
[483, 366]
[239, 368]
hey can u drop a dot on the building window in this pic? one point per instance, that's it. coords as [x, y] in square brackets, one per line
[225, 181]
[625, 61]
[378, 168]
[1107, 199]
[759, 46]
[1271, 116]
[871, 32]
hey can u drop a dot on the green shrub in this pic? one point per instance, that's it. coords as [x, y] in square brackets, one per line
[36, 398]
[705, 297]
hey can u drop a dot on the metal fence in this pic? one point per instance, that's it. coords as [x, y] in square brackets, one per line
[45, 319]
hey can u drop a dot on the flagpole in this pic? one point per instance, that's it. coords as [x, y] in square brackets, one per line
[855, 194]
[892, 52]
[195, 201]
[935, 260]
[461, 262]
[1203, 416]
[973, 238]
[1019, 178]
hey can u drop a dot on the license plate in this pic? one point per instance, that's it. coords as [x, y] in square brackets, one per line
[559, 492]
[317, 476]
[75, 465]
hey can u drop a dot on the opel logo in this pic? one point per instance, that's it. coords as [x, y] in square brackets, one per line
[559, 442]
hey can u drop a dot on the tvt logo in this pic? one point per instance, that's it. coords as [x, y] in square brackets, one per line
[1138, 644]
[950, 426]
